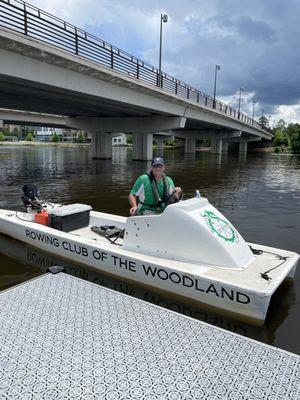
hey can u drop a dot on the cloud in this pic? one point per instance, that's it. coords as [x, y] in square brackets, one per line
[252, 29]
[288, 113]
[255, 42]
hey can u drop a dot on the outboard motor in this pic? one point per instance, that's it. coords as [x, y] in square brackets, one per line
[30, 197]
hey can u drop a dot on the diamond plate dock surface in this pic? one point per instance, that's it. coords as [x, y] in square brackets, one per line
[65, 338]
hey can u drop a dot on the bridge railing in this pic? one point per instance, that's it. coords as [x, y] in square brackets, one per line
[29, 20]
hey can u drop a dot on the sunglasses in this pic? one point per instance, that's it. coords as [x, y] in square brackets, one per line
[158, 166]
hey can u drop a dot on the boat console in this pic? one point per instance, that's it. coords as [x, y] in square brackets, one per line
[190, 231]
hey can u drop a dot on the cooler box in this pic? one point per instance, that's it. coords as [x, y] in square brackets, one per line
[70, 217]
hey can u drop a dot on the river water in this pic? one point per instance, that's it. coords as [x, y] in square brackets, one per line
[258, 193]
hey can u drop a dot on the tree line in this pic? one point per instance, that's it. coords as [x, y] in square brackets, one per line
[30, 136]
[286, 137]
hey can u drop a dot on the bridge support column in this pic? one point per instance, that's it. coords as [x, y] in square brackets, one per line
[142, 146]
[160, 141]
[189, 145]
[224, 146]
[101, 145]
[243, 145]
[216, 145]
[1, 123]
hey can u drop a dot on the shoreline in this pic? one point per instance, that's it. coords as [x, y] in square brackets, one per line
[46, 144]
[269, 150]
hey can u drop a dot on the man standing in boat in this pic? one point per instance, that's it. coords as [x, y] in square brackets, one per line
[152, 192]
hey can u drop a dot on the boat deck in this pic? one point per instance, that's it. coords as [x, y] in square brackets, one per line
[87, 233]
[65, 338]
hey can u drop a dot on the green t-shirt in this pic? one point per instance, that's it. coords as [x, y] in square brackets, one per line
[143, 190]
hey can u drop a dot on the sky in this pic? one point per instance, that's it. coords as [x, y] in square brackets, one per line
[256, 43]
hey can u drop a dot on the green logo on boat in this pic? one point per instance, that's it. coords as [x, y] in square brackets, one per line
[219, 226]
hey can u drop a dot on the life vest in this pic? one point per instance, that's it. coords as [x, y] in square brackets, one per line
[158, 200]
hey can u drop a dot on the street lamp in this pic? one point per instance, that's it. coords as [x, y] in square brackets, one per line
[217, 68]
[163, 18]
[254, 102]
[262, 118]
[240, 97]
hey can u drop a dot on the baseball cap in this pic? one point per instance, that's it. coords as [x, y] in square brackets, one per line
[157, 161]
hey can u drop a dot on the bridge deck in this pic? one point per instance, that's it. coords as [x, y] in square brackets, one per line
[65, 338]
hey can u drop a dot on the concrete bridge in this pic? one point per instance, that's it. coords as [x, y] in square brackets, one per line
[94, 86]
[17, 117]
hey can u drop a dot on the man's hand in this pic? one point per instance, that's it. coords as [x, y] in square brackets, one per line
[133, 203]
[178, 192]
[133, 210]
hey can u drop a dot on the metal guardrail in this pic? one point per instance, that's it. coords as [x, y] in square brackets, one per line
[29, 20]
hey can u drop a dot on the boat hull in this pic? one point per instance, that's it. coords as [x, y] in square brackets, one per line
[203, 284]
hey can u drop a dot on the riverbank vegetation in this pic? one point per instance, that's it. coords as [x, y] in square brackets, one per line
[286, 137]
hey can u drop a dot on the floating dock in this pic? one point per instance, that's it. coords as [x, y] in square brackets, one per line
[65, 338]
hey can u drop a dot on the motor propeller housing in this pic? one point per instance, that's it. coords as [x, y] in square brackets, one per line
[30, 197]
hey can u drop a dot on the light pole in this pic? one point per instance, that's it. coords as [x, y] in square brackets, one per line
[254, 102]
[262, 118]
[218, 67]
[240, 97]
[163, 18]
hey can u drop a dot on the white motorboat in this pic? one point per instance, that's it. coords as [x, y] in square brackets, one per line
[190, 249]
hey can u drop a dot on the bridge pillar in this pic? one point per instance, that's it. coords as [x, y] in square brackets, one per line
[101, 145]
[243, 145]
[189, 145]
[216, 145]
[142, 146]
[1, 123]
[160, 141]
[225, 146]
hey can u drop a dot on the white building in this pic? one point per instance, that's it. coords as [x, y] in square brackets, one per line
[120, 140]
[45, 134]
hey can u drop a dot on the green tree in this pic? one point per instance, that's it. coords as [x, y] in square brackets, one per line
[2, 137]
[281, 139]
[5, 131]
[55, 138]
[287, 135]
[295, 143]
[264, 122]
[29, 137]
[80, 137]
[129, 138]
[170, 141]
[292, 129]
[280, 125]
[203, 142]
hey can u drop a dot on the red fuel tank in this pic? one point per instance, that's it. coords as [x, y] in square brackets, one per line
[42, 218]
